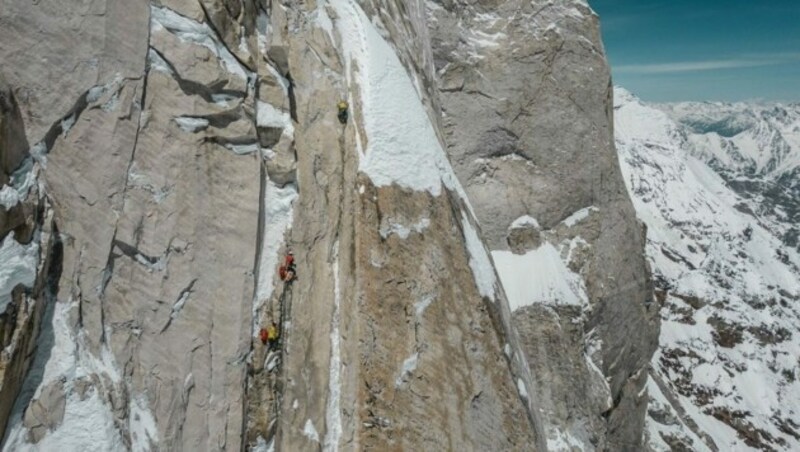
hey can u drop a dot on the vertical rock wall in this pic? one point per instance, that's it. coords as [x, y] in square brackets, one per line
[183, 146]
[527, 114]
[146, 136]
[391, 344]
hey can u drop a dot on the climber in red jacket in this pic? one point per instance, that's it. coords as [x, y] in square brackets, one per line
[288, 271]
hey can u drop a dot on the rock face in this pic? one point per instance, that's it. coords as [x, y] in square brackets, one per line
[146, 162]
[526, 102]
[169, 155]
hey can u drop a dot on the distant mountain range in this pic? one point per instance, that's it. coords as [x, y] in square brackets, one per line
[755, 148]
[717, 186]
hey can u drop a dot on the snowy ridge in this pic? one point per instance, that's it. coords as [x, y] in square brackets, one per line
[754, 147]
[756, 138]
[409, 153]
[479, 260]
[729, 289]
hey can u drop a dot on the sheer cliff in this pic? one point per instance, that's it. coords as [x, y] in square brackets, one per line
[526, 99]
[159, 160]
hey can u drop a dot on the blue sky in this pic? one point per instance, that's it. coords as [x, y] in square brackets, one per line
[679, 50]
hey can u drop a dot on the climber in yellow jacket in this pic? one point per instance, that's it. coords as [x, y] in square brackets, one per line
[342, 107]
[272, 336]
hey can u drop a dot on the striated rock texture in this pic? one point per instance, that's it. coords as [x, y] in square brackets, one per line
[527, 113]
[159, 159]
[157, 221]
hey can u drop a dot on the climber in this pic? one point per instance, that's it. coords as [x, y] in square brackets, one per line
[342, 106]
[263, 335]
[287, 271]
[272, 336]
[291, 270]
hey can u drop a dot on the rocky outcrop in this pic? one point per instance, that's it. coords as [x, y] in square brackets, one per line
[28, 252]
[527, 113]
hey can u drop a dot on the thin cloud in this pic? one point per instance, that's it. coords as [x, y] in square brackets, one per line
[694, 66]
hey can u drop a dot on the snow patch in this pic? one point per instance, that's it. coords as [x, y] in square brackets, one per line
[310, 431]
[521, 388]
[333, 416]
[677, 428]
[88, 422]
[20, 183]
[262, 445]
[269, 116]
[402, 146]
[67, 123]
[223, 100]
[157, 63]
[87, 425]
[562, 440]
[482, 39]
[243, 149]
[142, 425]
[18, 265]
[191, 124]
[277, 217]
[579, 216]
[479, 262]
[538, 276]
[402, 231]
[422, 305]
[409, 366]
[142, 181]
[525, 221]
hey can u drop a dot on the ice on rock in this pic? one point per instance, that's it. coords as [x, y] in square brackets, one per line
[18, 264]
[525, 221]
[191, 124]
[479, 261]
[197, 33]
